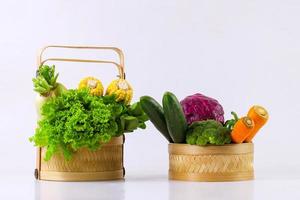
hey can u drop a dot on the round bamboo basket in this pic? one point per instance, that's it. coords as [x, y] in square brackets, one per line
[85, 165]
[231, 162]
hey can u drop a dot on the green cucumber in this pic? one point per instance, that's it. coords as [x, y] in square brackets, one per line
[156, 115]
[175, 119]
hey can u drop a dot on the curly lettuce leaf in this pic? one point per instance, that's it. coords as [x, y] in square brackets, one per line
[77, 119]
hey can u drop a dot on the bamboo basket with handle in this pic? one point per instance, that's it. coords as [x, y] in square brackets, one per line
[105, 163]
[230, 162]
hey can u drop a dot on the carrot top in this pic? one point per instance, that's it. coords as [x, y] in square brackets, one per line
[229, 124]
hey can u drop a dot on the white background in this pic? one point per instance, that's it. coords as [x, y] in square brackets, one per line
[239, 52]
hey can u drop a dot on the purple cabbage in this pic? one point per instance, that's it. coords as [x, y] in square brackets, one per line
[198, 107]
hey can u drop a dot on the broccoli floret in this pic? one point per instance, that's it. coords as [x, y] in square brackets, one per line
[208, 132]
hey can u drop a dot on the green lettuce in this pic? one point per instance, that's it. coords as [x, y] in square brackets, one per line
[77, 119]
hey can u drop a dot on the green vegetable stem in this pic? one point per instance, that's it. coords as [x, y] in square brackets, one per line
[46, 85]
[45, 80]
[230, 123]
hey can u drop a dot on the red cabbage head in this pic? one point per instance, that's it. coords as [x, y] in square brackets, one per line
[198, 107]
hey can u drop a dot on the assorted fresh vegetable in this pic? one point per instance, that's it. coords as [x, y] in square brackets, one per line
[121, 89]
[46, 85]
[207, 132]
[175, 118]
[260, 116]
[77, 118]
[93, 84]
[242, 129]
[199, 120]
[198, 107]
[156, 115]
[83, 117]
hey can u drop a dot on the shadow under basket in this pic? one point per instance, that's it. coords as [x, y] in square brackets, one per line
[85, 165]
[230, 162]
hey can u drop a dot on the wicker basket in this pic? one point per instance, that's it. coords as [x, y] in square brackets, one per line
[103, 164]
[231, 162]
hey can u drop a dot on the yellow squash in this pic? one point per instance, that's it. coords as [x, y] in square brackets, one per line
[121, 89]
[95, 85]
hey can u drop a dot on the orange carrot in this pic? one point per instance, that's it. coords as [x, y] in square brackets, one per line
[242, 129]
[260, 116]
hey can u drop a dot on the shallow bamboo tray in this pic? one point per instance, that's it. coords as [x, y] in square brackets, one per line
[85, 165]
[231, 162]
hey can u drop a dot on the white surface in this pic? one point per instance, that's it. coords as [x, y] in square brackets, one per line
[154, 186]
[240, 52]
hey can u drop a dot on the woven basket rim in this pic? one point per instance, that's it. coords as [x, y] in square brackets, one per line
[119, 140]
[187, 149]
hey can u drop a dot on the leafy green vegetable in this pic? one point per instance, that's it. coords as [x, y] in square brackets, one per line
[77, 119]
[208, 132]
[45, 80]
[230, 123]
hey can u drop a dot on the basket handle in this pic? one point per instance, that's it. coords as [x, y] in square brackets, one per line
[120, 65]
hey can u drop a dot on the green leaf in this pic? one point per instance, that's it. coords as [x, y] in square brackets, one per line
[143, 118]
[136, 109]
[77, 119]
[131, 123]
[142, 125]
[45, 81]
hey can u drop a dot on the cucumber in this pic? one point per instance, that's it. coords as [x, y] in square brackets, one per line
[175, 119]
[156, 115]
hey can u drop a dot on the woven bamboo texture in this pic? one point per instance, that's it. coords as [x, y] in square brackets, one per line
[233, 162]
[103, 164]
